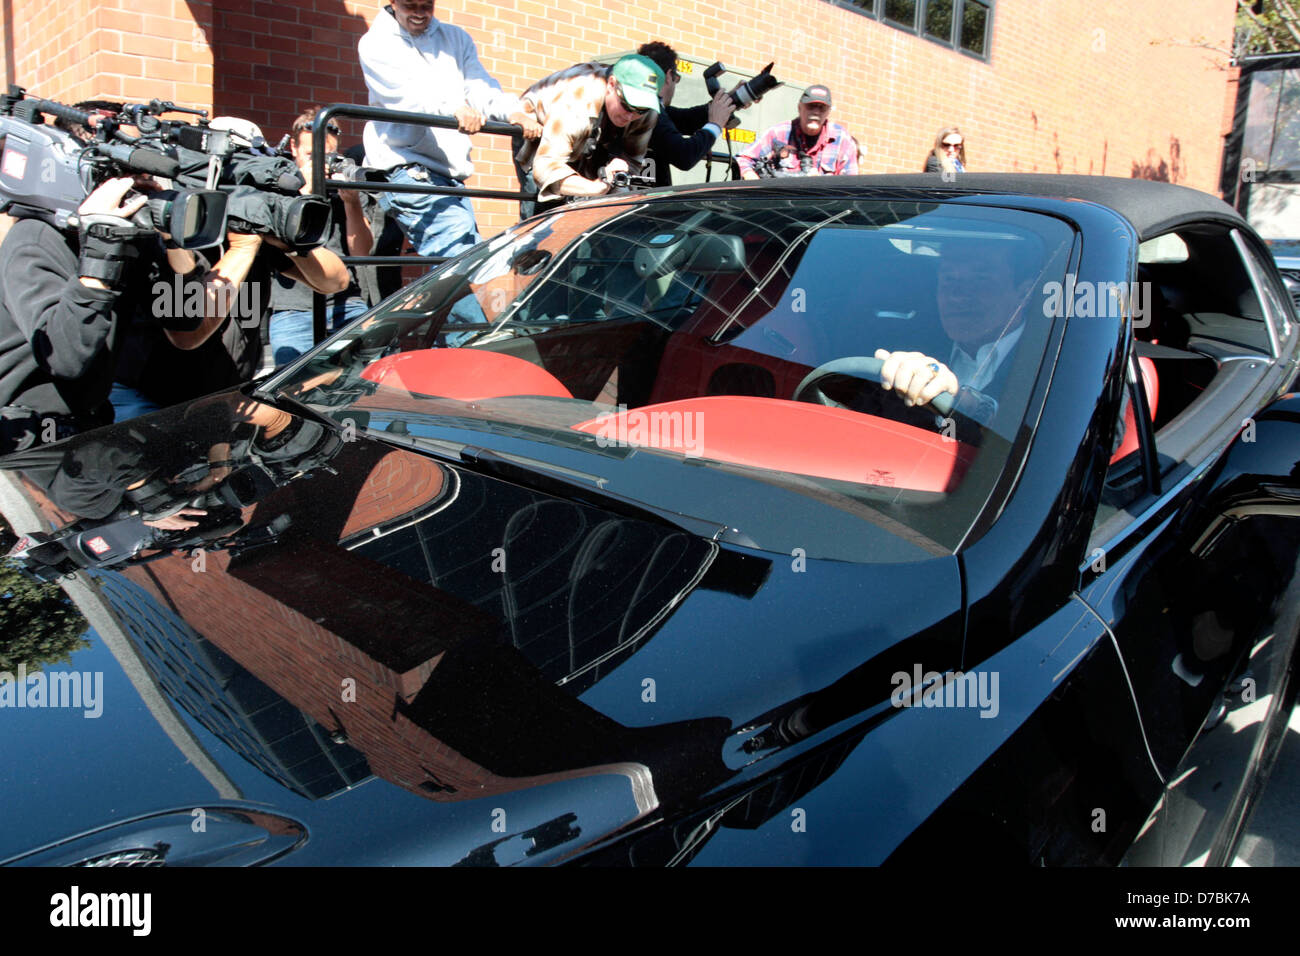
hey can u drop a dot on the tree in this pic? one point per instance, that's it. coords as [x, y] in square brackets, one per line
[1267, 26]
[39, 624]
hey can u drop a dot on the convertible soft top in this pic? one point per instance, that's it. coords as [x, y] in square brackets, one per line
[1153, 208]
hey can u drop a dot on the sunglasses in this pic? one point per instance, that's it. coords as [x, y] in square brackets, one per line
[952, 145]
[638, 111]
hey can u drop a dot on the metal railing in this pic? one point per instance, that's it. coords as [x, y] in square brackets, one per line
[322, 186]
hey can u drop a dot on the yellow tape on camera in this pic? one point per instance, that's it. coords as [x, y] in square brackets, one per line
[739, 135]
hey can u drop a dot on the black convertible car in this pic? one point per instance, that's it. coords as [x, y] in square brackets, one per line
[817, 522]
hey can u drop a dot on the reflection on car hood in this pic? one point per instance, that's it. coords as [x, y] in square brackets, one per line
[362, 654]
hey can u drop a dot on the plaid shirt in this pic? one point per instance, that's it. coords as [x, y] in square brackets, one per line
[568, 105]
[835, 153]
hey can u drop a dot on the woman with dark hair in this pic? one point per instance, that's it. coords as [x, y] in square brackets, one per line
[949, 153]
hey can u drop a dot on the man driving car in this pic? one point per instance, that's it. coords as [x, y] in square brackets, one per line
[982, 292]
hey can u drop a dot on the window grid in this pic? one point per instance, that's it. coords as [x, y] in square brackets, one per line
[962, 25]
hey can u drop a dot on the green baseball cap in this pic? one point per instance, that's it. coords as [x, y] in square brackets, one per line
[641, 81]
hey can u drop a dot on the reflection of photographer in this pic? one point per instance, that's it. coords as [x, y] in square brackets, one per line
[808, 145]
[349, 233]
[682, 137]
[181, 480]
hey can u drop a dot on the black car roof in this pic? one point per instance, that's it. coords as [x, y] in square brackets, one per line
[1152, 207]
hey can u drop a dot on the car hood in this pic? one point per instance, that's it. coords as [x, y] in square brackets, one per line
[364, 654]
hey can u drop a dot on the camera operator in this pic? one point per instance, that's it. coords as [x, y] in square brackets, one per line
[596, 123]
[682, 137]
[180, 352]
[808, 145]
[65, 302]
[349, 234]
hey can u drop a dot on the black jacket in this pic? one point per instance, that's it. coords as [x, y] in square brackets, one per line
[58, 338]
[679, 139]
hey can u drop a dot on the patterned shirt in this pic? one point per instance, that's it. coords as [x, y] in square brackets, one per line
[568, 105]
[833, 153]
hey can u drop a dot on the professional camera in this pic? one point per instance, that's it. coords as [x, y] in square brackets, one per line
[629, 182]
[263, 190]
[338, 166]
[747, 93]
[46, 173]
[769, 167]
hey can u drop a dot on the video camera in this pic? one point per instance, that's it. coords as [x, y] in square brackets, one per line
[46, 172]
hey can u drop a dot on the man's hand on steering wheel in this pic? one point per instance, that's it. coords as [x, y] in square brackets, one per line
[916, 378]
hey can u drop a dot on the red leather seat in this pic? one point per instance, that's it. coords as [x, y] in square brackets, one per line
[1152, 385]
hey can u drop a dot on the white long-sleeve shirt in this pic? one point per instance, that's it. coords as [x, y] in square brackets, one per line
[437, 71]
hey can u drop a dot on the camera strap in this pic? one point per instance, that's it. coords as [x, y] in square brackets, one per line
[214, 171]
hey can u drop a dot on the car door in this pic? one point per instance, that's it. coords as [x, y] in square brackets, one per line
[1192, 561]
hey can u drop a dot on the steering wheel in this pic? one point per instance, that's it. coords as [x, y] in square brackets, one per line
[863, 367]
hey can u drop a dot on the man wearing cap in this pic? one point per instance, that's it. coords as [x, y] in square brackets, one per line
[596, 121]
[809, 145]
[415, 63]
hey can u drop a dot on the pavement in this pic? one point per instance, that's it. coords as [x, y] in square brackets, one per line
[1273, 838]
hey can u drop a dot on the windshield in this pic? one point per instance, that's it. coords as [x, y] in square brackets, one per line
[678, 352]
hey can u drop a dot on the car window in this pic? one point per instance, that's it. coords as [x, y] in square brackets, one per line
[1203, 334]
[737, 335]
[1196, 292]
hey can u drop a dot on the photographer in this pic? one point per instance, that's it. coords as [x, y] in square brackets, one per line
[808, 145]
[65, 301]
[596, 123]
[682, 137]
[349, 234]
[180, 352]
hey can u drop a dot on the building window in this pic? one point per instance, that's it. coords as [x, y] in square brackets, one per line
[975, 22]
[901, 12]
[964, 25]
[938, 20]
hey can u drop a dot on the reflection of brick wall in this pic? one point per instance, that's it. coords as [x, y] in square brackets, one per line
[398, 485]
[304, 617]
[307, 664]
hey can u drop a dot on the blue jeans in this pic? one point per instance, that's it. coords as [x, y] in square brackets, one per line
[291, 331]
[436, 225]
[129, 403]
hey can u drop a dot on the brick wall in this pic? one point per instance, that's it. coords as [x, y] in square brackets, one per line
[1116, 88]
[112, 49]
